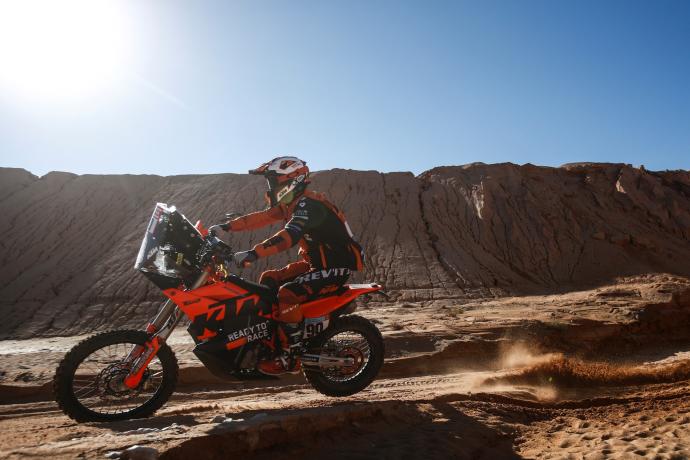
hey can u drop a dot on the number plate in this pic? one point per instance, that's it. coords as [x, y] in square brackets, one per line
[315, 326]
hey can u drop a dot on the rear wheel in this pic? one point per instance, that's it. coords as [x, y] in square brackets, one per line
[88, 382]
[350, 336]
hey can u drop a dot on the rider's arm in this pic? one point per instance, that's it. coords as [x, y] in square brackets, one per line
[279, 242]
[256, 219]
[306, 213]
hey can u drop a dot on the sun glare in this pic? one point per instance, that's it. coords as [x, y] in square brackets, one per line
[60, 50]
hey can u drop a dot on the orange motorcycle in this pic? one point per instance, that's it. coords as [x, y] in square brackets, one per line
[125, 374]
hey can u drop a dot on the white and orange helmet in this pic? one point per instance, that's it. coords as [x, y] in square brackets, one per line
[287, 179]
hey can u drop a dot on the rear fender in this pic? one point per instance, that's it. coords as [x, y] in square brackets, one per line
[318, 314]
[329, 305]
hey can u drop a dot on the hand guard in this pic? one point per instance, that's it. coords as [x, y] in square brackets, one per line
[244, 259]
[212, 229]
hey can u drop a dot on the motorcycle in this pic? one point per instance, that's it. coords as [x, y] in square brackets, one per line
[124, 374]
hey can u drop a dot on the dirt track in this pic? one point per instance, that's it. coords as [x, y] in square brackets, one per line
[438, 416]
[603, 373]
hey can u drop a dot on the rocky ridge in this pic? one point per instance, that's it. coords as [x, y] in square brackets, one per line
[68, 242]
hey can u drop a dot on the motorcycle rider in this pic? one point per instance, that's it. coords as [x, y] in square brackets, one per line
[326, 246]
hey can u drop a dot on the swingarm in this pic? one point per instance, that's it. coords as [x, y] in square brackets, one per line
[321, 361]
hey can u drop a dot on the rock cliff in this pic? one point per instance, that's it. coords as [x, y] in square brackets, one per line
[68, 242]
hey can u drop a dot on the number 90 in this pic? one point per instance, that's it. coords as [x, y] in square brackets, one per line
[313, 329]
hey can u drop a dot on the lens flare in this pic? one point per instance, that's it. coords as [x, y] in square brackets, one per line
[61, 51]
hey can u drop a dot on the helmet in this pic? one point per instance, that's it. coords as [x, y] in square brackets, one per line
[287, 179]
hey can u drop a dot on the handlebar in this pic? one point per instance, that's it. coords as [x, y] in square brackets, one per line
[213, 246]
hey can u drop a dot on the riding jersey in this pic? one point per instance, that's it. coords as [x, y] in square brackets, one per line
[317, 225]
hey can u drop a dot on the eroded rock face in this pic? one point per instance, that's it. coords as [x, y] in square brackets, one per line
[530, 229]
[68, 242]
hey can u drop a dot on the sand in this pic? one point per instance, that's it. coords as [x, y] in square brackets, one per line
[470, 384]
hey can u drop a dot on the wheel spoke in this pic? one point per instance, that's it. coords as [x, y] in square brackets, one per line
[97, 382]
[349, 344]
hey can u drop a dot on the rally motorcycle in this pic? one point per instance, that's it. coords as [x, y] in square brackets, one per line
[125, 374]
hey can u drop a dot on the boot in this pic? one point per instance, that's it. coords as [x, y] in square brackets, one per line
[288, 361]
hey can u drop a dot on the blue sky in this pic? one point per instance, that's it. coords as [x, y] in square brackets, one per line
[220, 86]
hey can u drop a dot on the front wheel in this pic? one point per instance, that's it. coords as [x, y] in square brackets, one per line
[88, 382]
[350, 336]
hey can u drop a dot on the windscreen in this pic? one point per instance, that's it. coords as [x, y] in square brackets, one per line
[170, 246]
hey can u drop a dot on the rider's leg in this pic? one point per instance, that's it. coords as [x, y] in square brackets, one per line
[289, 316]
[274, 278]
[307, 287]
[288, 334]
[289, 308]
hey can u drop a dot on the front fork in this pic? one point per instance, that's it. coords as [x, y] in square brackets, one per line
[159, 329]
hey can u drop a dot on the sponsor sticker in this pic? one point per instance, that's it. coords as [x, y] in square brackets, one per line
[315, 326]
[251, 333]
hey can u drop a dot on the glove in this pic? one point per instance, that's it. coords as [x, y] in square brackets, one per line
[226, 226]
[244, 258]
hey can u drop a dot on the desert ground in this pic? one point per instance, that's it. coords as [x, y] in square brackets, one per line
[599, 373]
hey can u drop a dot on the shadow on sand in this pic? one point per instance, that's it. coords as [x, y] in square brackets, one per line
[392, 429]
